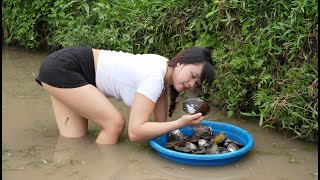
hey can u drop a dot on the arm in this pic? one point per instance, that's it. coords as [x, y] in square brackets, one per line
[139, 127]
[160, 111]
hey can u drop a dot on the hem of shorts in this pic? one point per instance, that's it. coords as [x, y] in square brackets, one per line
[63, 85]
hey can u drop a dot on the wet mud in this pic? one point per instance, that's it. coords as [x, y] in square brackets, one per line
[33, 149]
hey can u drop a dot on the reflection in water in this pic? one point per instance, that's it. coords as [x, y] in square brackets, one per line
[24, 103]
[199, 172]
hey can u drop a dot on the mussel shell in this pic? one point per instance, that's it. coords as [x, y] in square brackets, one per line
[196, 105]
[213, 149]
[186, 147]
[219, 138]
[175, 135]
[232, 147]
[203, 131]
[204, 143]
[193, 138]
[223, 150]
[171, 144]
[200, 151]
[228, 141]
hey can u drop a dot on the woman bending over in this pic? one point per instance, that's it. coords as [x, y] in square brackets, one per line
[81, 80]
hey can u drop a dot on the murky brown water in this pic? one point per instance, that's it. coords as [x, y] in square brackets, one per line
[33, 149]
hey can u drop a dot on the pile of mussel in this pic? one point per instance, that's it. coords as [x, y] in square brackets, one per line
[203, 141]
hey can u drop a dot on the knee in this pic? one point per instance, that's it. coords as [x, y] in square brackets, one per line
[119, 123]
[116, 124]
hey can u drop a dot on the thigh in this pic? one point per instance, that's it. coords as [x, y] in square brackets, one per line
[70, 124]
[88, 102]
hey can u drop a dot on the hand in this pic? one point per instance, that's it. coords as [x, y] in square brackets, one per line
[189, 120]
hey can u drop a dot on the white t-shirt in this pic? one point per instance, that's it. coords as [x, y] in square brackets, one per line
[120, 75]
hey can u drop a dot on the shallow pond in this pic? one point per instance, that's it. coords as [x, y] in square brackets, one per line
[33, 149]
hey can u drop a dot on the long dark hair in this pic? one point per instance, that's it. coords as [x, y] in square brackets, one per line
[193, 55]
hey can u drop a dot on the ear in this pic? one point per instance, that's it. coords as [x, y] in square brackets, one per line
[178, 64]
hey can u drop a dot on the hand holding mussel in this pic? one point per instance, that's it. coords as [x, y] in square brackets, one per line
[196, 105]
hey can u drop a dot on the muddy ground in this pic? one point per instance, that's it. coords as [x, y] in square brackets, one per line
[33, 149]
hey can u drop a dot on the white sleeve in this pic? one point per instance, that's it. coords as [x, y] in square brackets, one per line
[152, 88]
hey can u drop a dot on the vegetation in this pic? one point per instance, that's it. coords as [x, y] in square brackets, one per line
[265, 52]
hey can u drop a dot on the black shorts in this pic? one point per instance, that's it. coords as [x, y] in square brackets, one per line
[69, 67]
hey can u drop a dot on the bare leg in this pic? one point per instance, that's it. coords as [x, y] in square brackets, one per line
[69, 123]
[86, 102]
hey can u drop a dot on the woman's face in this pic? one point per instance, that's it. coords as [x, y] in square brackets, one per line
[186, 77]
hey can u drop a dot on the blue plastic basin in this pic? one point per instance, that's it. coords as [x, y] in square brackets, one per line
[235, 133]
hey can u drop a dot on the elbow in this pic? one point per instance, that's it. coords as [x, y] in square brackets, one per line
[133, 136]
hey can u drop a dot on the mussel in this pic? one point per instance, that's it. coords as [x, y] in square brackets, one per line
[213, 149]
[175, 135]
[223, 150]
[195, 138]
[203, 131]
[196, 105]
[187, 147]
[232, 147]
[228, 141]
[204, 143]
[200, 151]
[219, 138]
[171, 144]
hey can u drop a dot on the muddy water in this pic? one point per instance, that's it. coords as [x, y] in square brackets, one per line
[33, 149]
